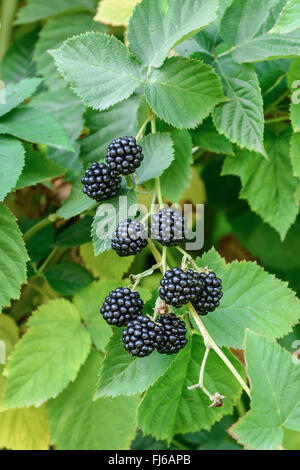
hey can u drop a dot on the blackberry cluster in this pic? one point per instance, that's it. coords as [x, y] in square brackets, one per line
[99, 182]
[173, 334]
[124, 156]
[168, 227]
[121, 306]
[129, 238]
[211, 294]
[179, 287]
[141, 336]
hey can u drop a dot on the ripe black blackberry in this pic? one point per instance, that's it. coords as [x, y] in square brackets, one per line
[141, 336]
[124, 156]
[99, 183]
[129, 238]
[168, 227]
[173, 334]
[179, 287]
[121, 306]
[209, 298]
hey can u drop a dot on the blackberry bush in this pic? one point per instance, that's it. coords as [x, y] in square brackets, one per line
[211, 293]
[173, 334]
[179, 287]
[100, 183]
[121, 306]
[141, 336]
[168, 227]
[124, 156]
[129, 238]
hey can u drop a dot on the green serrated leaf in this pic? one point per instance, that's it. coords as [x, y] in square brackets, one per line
[38, 9]
[121, 374]
[13, 258]
[68, 278]
[158, 155]
[76, 203]
[275, 382]
[99, 67]
[252, 299]
[258, 175]
[289, 19]
[107, 265]
[183, 92]
[18, 61]
[156, 27]
[241, 119]
[295, 116]
[11, 164]
[107, 424]
[295, 154]
[16, 93]
[207, 137]
[109, 214]
[163, 415]
[48, 356]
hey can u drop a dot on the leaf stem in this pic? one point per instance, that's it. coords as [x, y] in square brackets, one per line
[277, 119]
[39, 226]
[200, 383]
[143, 127]
[8, 10]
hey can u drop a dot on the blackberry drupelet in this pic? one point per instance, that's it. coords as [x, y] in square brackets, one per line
[129, 238]
[168, 227]
[211, 294]
[99, 183]
[124, 156]
[179, 287]
[173, 334]
[141, 336]
[121, 306]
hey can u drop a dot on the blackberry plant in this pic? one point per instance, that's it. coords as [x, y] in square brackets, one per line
[179, 287]
[124, 156]
[141, 336]
[100, 183]
[121, 306]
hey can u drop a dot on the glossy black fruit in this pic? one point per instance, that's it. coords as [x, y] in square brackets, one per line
[121, 306]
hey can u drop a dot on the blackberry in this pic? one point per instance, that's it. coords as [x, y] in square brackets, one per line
[99, 183]
[211, 294]
[121, 306]
[168, 227]
[124, 156]
[173, 334]
[179, 287]
[141, 336]
[129, 238]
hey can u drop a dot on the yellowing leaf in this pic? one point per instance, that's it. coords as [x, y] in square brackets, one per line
[107, 265]
[115, 12]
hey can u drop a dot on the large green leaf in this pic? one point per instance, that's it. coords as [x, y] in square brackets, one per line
[78, 423]
[295, 154]
[246, 26]
[118, 121]
[11, 164]
[275, 384]
[99, 68]
[158, 155]
[289, 19]
[252, 299]
[176, 178]
[109, 214]
[76, 203]
[207, 137]
[169, 408]
[54, 33]
[16, 93]
[156, 27]
[13, 258]
[68, 278]
[241, 119]
[18, 61]
[122, 374]
[183, 91]
[35, 126]
[48, 356]
[38, 9]
[258, 175]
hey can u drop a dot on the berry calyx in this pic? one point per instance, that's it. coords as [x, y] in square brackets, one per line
[99, 182]
[129, 238]
[121, 306]
[211, 294]
[179, 287]
[168, 227]
[141, 336]
[173, 334]
[124, 156]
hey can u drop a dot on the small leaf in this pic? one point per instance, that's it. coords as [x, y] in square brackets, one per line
[158, 155]
[107, 265]
[105, 424]
[18, 64]
[99, 68]
[48, 356]
[68, 278]
[16, 93]
[76, 203]
[207, 137]
[13, 258]
[76, 234]
[115, 12]
[295, 154]
[11, 164]
[36, 9]
[275, 383]
[183, 91]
